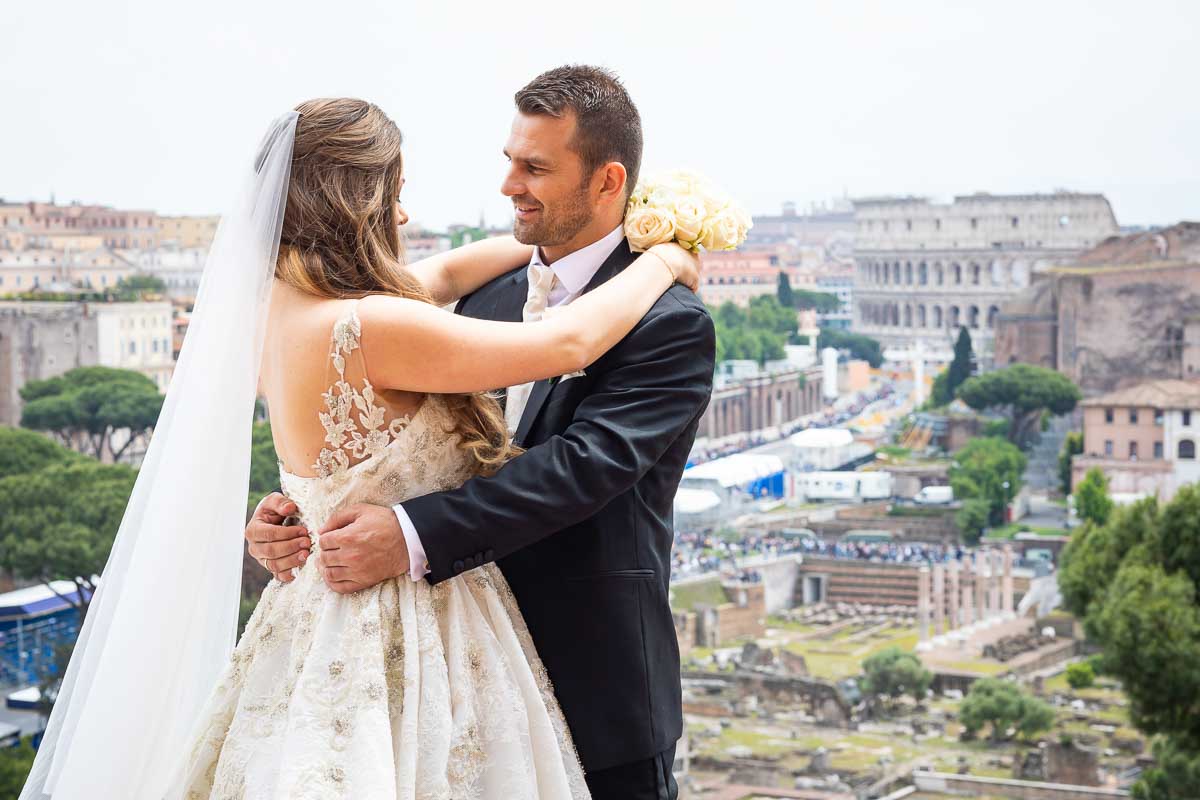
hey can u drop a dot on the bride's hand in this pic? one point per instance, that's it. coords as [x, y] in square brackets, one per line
[684, 265]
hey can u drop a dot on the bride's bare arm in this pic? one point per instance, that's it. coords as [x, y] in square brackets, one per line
[417, 347]
[456, 273]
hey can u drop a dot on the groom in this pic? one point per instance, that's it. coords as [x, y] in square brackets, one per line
[580, 524]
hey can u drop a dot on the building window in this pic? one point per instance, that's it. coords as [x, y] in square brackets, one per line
[132, 348]
[1108, 447]
[1187, 449]
[1108, 415]
[1187, 418]
[1158, 417]
[1133, 451]
[1133, 416]
[1158, 451]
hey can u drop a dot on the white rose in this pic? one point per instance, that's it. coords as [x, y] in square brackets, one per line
[689, 220]
[680, 181]
[646, 226]
[722, 231]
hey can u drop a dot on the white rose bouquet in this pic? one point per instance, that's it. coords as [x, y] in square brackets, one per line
[683, 207]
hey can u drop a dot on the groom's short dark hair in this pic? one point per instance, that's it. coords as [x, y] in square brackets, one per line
[608, 126]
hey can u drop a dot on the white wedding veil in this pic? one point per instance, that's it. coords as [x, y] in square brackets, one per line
[162, 625]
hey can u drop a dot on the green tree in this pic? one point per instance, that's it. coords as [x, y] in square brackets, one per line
[85, 407]
[1172, 777]
[467, 235]
[141, 285]
[821, 302]
[893, 672]
[766, 313]
[15, 763]
[1080, 675]
[1022, 392]
[1133, 581]
[997, 428]
[23, 451]
[962, 365]
[939, 394]
[757, 333]
[783, 291]
[988, 469]
[860, 347]
[264, 465]
[972, 518]
[59, 522]
[1004, 706]
[1092, 502]
[1072, 446]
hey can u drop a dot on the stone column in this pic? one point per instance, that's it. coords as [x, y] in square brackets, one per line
[923, 603]
[955, 597]
[968, 592]
[1006, 590]
[981, 565]
[939, 599]
[994, 559]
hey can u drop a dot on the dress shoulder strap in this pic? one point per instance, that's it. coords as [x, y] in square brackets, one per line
[356, 425]
[345, 339]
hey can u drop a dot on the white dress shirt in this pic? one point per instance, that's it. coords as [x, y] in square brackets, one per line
[573, 272]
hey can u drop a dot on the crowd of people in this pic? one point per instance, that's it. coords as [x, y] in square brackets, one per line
[697, 553]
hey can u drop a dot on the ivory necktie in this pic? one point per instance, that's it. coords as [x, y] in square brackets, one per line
[541, 282]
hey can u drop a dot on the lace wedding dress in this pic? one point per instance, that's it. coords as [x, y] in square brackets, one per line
[400, 691]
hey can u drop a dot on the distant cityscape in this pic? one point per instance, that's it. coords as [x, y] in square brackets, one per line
[919, 408]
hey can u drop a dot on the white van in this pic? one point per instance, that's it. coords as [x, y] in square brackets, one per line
[934, 496]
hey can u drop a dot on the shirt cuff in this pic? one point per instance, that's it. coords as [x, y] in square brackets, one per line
[418, 564]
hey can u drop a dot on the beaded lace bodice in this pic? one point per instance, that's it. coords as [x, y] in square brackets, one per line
[371, 455]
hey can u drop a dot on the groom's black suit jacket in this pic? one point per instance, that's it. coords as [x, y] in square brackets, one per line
[581, 524]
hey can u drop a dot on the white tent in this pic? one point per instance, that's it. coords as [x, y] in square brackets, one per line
[695, 501]
[822, 438]
[739, 469]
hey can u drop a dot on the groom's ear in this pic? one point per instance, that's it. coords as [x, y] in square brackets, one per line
[612, 177]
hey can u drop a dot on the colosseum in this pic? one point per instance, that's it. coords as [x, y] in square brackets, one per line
[924, 269]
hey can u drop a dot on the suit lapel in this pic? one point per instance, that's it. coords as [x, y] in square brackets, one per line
[510, 300]
[620, 258]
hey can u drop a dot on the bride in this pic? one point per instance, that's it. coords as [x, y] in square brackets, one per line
[376, 395]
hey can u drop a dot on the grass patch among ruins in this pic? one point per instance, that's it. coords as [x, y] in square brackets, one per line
[1005, 532]
[687, 596]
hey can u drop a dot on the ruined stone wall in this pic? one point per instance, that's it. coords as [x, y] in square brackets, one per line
[1121, 327]
[972, 785]
[685, 631]
[746, 617]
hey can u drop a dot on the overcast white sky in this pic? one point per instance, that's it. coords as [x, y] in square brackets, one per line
[151, 103]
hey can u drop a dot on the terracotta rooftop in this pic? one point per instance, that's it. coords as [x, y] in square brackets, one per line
[1164, 394]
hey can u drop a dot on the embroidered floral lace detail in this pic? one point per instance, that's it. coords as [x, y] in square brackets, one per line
[355, 426]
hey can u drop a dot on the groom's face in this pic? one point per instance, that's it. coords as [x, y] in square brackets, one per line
[545, 180]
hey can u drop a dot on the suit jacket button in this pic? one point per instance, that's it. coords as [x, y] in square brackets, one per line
[470, 562]
[458, 567]
[490, 555]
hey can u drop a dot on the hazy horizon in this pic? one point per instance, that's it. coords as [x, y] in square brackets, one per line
[138, 105]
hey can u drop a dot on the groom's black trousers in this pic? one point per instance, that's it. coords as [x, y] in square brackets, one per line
[649, 779]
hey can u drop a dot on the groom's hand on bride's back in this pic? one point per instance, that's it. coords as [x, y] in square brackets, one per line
[274, 545]
[362, 545]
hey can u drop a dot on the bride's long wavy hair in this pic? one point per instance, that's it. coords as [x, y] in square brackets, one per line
[341, 237]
